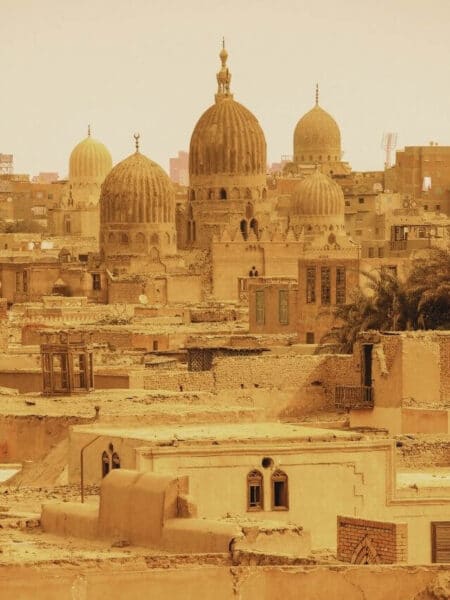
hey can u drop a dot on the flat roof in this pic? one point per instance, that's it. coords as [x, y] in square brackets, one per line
[222, 432]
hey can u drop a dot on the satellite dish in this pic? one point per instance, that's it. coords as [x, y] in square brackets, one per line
[143, 299]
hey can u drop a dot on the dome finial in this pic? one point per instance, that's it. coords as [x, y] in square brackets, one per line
[317, 94]
[224, 75]
[136, 141]
[89, 130]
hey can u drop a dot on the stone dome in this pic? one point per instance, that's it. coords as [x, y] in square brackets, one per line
[137, 214]
[90, 161]
[137, 190]
[227, 138]
[317, 138]
[319, 199]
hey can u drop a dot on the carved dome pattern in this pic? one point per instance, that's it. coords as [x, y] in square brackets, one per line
[90, 160]
[137, 191]
[318, 195]
[227, 139]
[317, 137]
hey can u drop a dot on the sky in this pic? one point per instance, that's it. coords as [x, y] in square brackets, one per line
[149, 66]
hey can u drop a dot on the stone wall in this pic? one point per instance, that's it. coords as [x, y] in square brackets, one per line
[179, 578]
[361, 541]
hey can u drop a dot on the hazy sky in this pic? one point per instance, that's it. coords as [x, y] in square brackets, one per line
[150, 65]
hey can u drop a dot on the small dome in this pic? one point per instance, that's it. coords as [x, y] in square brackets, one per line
[318, 195]
[90, 161]
[137, 190]
[317, 138]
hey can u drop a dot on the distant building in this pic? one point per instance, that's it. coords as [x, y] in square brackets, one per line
[422, 173]
[179, 168]
[6, 164]
[45, 178]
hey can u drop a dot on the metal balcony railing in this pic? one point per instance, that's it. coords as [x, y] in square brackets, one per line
[353, 396]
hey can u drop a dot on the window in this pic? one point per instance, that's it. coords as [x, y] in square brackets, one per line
[255, 494]
[260, 307]
[340, 285]
[223, 194]
[361, 200]
[155, 345]
[325, 286]
[425, 207]
[371, 252]
[115, 461]
[347, 203]
[105, 464]
[25, 281]
[380, 252]
[310, 285]
[310, 337]
[96, 281]
[438, 207]
[440, 542]
[358, 232]
[124, 238]
[283, 307]
[279, 491]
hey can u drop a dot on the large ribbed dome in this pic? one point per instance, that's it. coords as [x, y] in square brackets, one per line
[137, 190]
[90, 161]
[227, 139]
[318, 195]
[317, 138]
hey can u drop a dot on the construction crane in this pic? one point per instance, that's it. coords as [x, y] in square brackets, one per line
[388, 144]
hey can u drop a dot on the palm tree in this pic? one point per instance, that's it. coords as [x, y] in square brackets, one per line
[428, 286]
[381, 305]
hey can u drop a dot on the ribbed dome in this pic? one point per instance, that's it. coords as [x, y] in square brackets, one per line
[318, 195]
[317, 138]
[90, 161]
[137, 190]
[227, 139]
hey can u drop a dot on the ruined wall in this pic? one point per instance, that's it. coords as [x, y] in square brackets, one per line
[178, 580]
[360, 541]
[31, 437]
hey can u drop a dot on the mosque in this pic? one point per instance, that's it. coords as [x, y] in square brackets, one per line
[315, 224]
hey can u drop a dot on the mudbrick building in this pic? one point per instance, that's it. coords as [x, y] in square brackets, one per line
[168, 427]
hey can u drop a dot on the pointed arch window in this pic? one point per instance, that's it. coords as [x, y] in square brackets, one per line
[280, 499]
[255, 491]
[105, 464]
[115, 461]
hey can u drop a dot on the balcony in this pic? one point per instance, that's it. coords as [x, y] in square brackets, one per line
[399, 244]
[353, 396]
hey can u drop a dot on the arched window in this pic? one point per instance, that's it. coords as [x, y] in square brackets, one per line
[115, 461]
[223, 194]
[124, 238]
[111, 238]
[280, 500]
[244, 230]
[105, 464]
[254, 226]
[154, 239]
[249, 210]
[255, 491]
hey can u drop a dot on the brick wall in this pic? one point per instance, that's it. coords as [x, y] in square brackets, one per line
[362, 541]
